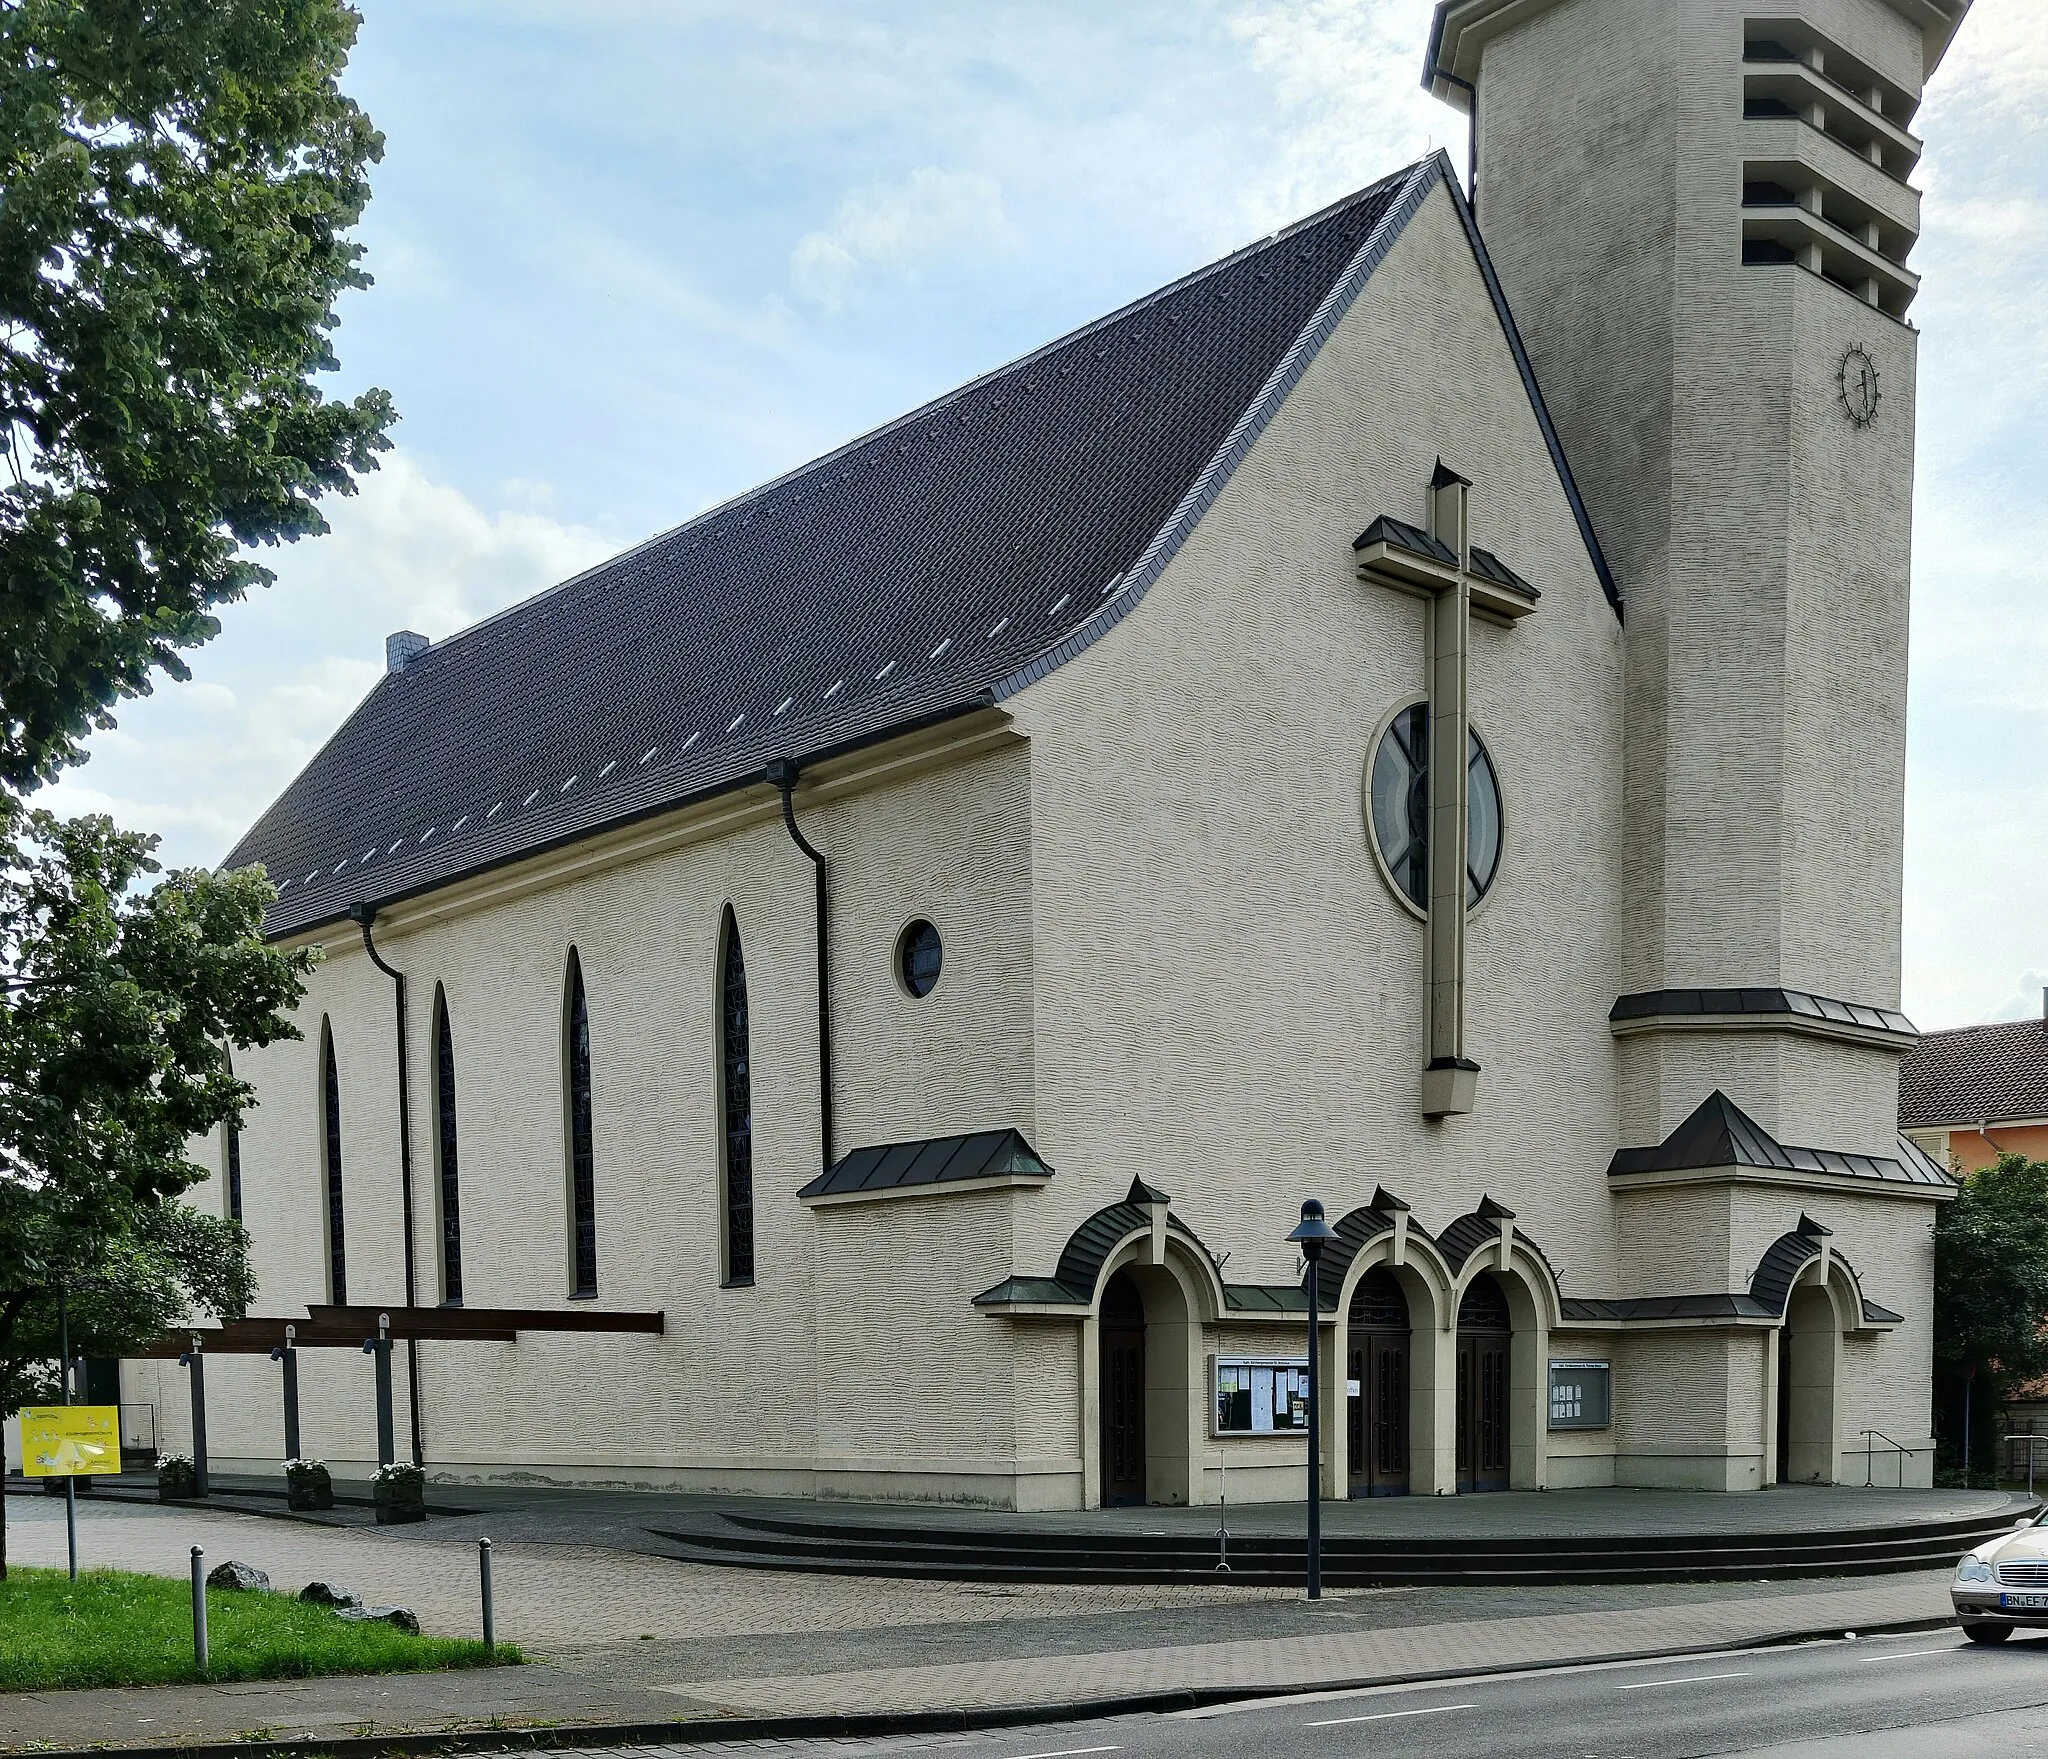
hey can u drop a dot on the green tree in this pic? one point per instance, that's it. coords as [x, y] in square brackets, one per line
[1991, 1288]
[177, 179]
[117, 998]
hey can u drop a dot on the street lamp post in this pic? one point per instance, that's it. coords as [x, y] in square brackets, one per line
[1313, 1233]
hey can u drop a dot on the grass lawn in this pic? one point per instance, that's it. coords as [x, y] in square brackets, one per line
[112, 1628]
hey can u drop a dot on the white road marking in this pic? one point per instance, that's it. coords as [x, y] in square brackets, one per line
[1510, 1676]
[1068, 1752]
[1693, 1679]
[1385, 1715]
[1903, 1654]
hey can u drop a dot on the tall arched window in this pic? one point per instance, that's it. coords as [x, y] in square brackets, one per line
[231, 1162]
[582, 1155]
[444, 1148]
[736, 1104]
[330, 1139]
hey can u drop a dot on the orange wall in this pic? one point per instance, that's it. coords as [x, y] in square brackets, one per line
[1970, 1151]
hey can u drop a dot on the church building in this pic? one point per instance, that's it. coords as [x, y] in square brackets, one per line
[1411, 715]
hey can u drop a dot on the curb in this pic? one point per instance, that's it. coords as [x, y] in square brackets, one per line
[706, 1729]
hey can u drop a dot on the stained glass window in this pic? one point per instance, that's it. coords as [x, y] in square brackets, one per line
[444, 1116]
[582, 1154]
[738, 1107]
[330, 1109]
[1400, 809]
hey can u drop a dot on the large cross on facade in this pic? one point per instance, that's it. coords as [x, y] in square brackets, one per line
[1458, 582]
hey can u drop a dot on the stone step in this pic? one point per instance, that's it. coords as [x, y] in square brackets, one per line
[989, 1554]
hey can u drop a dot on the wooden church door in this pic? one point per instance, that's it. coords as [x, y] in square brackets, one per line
[1123, 1392]
[1483, 1338]
[1377, 1413]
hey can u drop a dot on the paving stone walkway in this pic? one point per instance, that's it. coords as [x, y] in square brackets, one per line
[622, 1636]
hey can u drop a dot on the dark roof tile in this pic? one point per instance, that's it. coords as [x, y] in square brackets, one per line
[901, 577]
[1975, 1075]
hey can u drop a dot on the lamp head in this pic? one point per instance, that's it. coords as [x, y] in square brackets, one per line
[1313, 1232]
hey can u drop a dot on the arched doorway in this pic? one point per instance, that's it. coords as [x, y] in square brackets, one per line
[1807, 1343]
[1485, 1334]
[1123, 1392]
[1377, 1412]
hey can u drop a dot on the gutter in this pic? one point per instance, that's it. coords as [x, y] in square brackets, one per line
[365, 914]
[781, 774]
[1471, 136]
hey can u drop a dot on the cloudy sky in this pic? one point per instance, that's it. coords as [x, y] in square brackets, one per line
[633, 256]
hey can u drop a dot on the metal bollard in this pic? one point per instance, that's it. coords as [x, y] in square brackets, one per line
[483, 1564]
[199, 1645]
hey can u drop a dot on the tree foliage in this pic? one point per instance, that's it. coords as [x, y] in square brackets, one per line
[118, 998]
[177, 179]
[1991, 1274]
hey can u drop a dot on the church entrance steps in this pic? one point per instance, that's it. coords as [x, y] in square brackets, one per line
[1113, 1547]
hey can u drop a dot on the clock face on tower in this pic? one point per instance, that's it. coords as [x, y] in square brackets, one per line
[1857, 377]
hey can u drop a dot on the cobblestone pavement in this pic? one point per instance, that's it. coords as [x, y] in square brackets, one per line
[1299, 1660]
[549, 1594]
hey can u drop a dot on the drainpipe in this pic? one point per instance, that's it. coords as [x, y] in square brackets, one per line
[365, 914]
[781, 774]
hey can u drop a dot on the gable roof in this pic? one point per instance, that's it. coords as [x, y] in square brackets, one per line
[1719, 1133]
[942, 562]
[1976, 1075]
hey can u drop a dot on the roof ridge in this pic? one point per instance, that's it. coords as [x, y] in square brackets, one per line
[935, 404]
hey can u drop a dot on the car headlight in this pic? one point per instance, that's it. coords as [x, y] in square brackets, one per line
[1975, 1569]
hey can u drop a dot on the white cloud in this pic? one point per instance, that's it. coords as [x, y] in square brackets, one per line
[900, 228]
[1996, 71]
[196, 763]
[1346, 79]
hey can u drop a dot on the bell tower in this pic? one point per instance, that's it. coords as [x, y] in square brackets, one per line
[1702, 215]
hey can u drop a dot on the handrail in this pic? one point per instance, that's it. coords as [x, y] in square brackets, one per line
[1898, 1447]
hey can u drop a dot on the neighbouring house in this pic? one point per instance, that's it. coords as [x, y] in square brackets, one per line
[1971, 1093]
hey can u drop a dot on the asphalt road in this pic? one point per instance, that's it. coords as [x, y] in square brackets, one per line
[1928, 1696]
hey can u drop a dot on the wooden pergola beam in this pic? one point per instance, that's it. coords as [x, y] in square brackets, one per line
[486, 1322]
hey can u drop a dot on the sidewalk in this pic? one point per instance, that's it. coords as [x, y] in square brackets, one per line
[492, 1705]
[656, 1650]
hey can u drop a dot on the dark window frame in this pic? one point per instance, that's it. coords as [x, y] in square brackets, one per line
[330, 1133]
[1397, 802]
[920, 958]
[447, 1153]
[231, 1161]
[735, 1112]
[579, 1134]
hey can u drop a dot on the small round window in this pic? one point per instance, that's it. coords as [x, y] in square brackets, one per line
[1400, 809]
[918, 958]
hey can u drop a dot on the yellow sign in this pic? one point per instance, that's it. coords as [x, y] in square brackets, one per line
[70, 1441]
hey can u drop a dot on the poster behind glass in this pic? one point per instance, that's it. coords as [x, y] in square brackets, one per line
[1260, 1396]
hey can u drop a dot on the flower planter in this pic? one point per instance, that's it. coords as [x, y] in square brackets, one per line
[399, 1494]
[176, 1481]
[308, 1486]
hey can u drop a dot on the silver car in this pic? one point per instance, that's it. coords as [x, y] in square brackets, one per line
[2002, 1586]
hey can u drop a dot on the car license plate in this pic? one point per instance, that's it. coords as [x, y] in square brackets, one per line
[2024, 1602]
